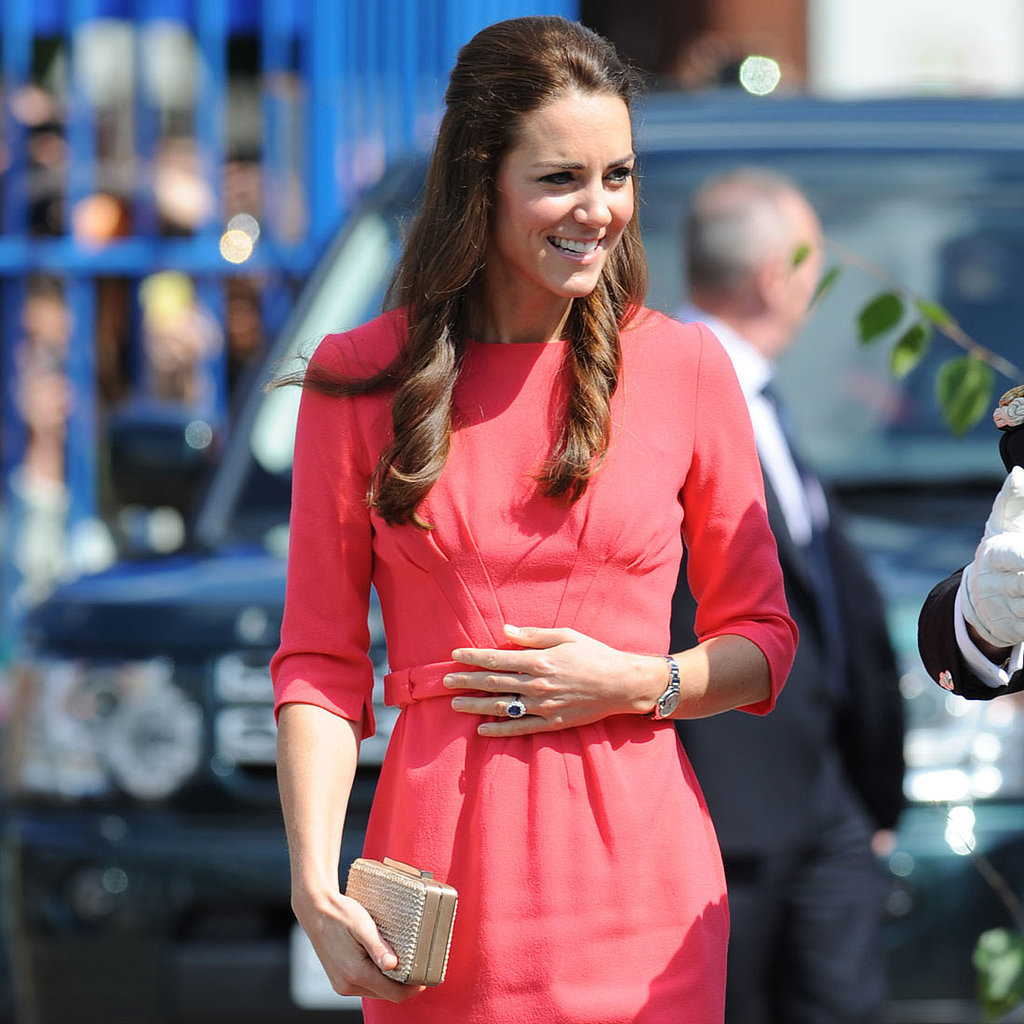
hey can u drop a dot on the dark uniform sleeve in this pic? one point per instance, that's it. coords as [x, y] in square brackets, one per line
[936, 640]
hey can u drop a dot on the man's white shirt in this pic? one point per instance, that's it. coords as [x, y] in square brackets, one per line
[754, 373]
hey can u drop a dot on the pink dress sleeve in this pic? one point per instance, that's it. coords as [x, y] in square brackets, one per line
[323, 657]
[733, 565]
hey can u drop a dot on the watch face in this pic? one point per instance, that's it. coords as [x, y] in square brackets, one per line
[668, 703]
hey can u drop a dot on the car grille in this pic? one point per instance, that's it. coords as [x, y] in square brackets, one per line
[244, 733]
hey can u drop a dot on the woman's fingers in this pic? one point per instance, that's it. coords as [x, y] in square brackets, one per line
[502, 705]
[368, 983]
[491, 682]
[500, 723]
[532, 638]
[538, 638]
[507, 662]
[353, 954]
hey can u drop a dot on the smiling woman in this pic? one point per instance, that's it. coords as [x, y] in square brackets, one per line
[513, 457]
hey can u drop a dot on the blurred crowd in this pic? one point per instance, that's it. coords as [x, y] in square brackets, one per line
[178, 349]
[162, 337]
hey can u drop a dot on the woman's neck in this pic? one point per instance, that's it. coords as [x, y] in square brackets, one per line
[501, 325]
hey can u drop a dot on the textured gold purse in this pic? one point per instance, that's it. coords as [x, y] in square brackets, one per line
[414, 914]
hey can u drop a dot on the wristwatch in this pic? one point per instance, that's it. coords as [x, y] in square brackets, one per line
[669, 700]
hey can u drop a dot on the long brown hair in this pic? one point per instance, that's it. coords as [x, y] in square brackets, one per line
[503, 73]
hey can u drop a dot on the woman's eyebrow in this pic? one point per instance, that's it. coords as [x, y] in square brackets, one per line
[574, 165]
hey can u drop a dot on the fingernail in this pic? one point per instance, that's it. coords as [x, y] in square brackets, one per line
[448, 681]
[514, 630]
[458, 703]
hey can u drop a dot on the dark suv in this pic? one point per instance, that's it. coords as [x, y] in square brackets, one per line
[145, 866]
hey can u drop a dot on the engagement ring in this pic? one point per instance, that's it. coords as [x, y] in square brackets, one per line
[515, 708]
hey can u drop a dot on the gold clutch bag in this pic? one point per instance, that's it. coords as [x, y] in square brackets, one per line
[414, 914]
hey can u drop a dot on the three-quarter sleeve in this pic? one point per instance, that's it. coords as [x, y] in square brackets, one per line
[733, 566]
[323, 657]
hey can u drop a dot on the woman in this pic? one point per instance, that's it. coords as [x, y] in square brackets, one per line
[507, 455]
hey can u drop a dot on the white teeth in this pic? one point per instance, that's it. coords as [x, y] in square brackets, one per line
[572, 246]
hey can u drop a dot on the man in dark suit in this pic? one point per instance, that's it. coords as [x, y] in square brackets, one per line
[971, 628]
[798, 796]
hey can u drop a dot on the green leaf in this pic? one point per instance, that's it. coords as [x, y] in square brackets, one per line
[909, 350]
[827, 280]
[802, 252]
[963, 389]
[935, 313]
[999, 964]
[881, 314]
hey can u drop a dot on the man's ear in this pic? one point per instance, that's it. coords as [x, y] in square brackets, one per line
[771, 281]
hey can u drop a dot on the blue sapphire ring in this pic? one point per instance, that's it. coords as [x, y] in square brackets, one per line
[515, 708]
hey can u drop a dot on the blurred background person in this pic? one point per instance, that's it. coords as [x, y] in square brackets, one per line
[42, 397]
[180, 339]
[797, 797]
[43, 551]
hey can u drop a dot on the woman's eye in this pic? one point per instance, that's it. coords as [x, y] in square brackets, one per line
[558, 178]
[620, 175]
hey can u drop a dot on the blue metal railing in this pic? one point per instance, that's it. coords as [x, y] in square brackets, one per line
[344, 86]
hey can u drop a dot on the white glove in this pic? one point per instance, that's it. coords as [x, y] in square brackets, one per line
[992, 586]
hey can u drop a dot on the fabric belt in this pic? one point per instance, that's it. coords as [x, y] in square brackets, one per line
[420, 682]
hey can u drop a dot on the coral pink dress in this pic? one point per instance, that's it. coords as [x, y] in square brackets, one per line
[590, 884]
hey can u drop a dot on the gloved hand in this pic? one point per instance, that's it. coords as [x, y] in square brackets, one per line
[992, 586]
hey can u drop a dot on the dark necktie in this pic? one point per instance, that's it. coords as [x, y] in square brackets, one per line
[817, 557]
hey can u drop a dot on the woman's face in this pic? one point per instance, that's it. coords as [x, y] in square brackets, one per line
[564, 194]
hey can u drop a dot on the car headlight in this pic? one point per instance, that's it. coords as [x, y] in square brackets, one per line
[87, 728]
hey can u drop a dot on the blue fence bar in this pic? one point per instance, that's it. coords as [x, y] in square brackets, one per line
[16, 54]
[79, 293]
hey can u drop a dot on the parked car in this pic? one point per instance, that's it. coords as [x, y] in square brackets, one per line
[146, 871]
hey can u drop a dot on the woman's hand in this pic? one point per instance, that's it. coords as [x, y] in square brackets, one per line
[563, 679]
[350, 948]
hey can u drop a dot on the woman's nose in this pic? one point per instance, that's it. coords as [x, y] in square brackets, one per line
[593, 208]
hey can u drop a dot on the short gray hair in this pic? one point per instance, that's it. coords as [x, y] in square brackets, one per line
[734, 222]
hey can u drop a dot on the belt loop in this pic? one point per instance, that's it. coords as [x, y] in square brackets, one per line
[405, 686]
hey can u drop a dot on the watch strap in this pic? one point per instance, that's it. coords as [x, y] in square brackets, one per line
[669, 700]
